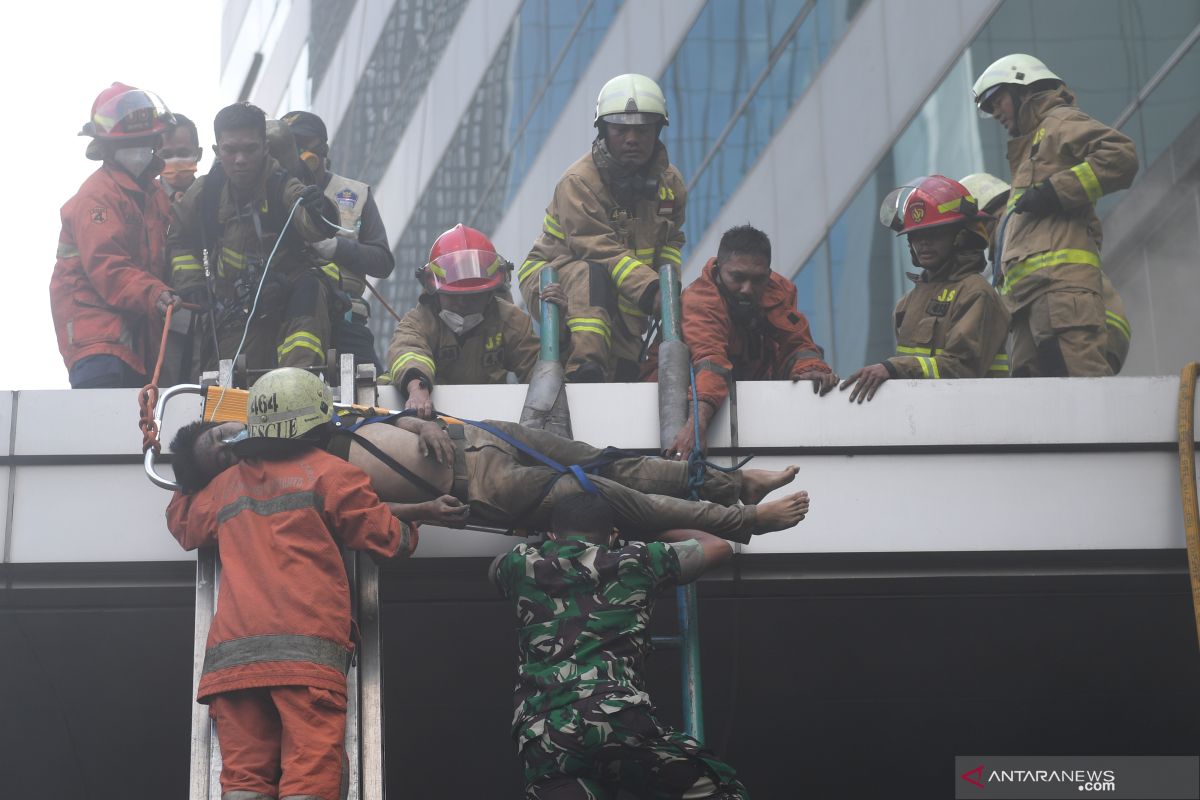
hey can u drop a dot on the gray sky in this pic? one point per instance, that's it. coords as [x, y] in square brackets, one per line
[57, 57]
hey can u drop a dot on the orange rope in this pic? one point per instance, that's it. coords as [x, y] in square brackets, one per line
[148, 396]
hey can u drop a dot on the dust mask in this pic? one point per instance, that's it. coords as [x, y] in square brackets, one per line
[458, 323]
[179, 173]
[135, 160]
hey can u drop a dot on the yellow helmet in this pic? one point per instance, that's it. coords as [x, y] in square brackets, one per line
[287, 403]
[631, 99]
[986, 188]
[1017, 68]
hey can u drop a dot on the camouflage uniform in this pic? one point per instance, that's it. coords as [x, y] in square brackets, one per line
[584, 724]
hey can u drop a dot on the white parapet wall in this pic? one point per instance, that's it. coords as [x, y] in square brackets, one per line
[987, 465]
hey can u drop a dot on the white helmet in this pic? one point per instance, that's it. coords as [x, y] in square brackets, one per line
[985, 187]
[631, 99]
[1018, 68]
[287, 403]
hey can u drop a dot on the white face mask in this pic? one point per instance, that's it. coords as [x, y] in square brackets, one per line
[134, 160]
[458, 323]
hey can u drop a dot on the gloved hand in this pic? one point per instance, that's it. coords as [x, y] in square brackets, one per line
[311, 197]
[1040, 200]
[326, 248]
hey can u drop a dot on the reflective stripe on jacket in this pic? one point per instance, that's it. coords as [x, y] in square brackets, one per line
[423, 346]
[586, 222]
[283, 608]
[110, 270]
[953, 327]
[723, 351]
[1083, 160]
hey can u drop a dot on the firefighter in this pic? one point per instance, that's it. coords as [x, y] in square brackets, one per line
[952, 323]
[108, 291]
[464, 329]
[740, 322]
[246, 212]
[499, 473]
[991, 193]
[181, 154]
[274, 674]
[583, 604]
[361, 246]
[1062, 162]
[615, 218]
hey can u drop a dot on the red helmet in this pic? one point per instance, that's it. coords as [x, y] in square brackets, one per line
[123, 112]
[462, 261]
[928, 202]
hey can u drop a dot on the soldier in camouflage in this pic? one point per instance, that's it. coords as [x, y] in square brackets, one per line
[584, 725]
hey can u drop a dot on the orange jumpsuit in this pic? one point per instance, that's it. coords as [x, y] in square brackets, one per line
[111, 268]
[275, 663]
[723, 351]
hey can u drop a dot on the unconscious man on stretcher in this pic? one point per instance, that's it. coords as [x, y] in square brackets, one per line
[497, 474]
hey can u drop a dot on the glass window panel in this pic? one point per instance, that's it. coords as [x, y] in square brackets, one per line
[812, 298]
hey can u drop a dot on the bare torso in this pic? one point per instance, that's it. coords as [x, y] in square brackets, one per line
[404, 447]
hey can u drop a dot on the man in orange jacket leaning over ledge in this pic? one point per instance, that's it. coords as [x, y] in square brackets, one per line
[740, 322]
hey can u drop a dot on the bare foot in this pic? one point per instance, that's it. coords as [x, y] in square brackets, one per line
[758, 483]
[782, 514]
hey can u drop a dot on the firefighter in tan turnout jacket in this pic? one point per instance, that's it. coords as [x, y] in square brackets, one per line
[952, 324]
[615, 218]
[991, 194]
[1062, 162]
[238, 214]
[461, 331]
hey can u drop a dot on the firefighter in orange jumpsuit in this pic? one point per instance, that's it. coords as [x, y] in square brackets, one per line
[274, 673]
[108, 292]
[740, 322]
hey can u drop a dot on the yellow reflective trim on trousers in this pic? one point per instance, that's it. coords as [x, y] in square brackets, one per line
[303, 339]
[625, 266]
[1052, 258]
[1118, 322]
[671, 254]
[550, 225]
[626, 307]
[404, 358]
[332, 270]
[999, 363]
[184, 263]
[1089, 181]
[529, 268]
[903, 350]
[590, 325]
[233, 258]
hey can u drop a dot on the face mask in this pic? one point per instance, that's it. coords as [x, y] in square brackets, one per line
[458, 323]
[135, 160]
[179, 172]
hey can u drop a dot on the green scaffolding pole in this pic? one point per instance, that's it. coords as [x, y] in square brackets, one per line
[673, 382]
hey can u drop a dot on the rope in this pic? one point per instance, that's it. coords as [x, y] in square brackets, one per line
[379, 297]
[148, 396]
[1187, 479]
[696, 460]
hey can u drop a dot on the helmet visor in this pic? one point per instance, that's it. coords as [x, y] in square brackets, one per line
[634, 118]
[891, 210]
[986, 98]
[466, 271]
[133, 113]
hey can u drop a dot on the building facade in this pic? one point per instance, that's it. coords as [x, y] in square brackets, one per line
[795, 115]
